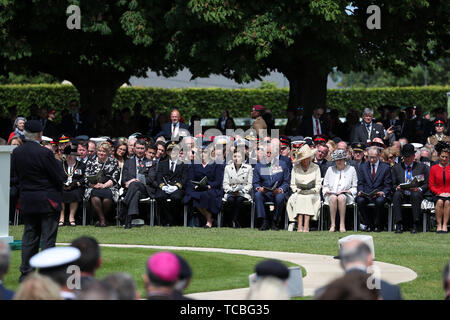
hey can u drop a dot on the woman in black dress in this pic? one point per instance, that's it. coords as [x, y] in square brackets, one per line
[105, 191]
[73, 186]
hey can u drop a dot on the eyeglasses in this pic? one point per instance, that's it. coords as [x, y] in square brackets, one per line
[391, 157]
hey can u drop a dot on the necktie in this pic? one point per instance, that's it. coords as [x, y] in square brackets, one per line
[172, 166]
[317, 127]
[409, 173]
[373, 171]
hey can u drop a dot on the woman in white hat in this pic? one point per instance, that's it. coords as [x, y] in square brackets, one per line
[339, 187]
[304, 202]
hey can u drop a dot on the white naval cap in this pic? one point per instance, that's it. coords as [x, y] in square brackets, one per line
[55, 257]
[45, 138]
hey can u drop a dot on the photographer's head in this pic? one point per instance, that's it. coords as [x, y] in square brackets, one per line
[355, 254]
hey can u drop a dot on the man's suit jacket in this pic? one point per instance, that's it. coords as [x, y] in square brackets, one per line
[166, 129]
[307, 128]
[360, 134]
[288, 162]
[323, 167]
[356, 165]
[40, 177]
[280, 173]
[398, 174]
[382, 180]
[5, 294]
[129, 172]
[177, 178]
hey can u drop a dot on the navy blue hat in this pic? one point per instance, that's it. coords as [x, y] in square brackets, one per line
[185, 270]
[272, 268]
[33, 126]
[358, 146]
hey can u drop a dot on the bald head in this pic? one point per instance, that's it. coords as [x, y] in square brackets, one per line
[175, 116]
[341, 145]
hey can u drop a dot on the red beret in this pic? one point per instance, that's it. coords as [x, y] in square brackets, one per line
[258, 107]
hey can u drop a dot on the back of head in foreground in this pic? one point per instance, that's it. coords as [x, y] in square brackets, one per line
[38, 287]
[352, 286]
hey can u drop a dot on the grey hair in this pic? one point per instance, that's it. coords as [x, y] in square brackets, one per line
[354, 254]
[367, 111]
[31, 135]
[17, 120]
[123, 284]
[425, 149]
[377, 149]
[5, 255]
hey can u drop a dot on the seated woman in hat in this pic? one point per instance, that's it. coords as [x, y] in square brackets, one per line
[73, 186]
[103, 189]
[339, 187]
[306, 181]
[207, 198]
[439, 182]
[237, 184]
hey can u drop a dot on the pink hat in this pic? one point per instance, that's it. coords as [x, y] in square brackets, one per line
[164, 265]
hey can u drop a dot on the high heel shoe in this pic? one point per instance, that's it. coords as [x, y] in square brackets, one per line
[61, 224]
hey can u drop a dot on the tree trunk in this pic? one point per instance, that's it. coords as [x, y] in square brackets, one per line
[97, 95]
[307, 88]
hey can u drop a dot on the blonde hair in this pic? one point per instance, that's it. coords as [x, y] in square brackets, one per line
[38, 287]
[105, 146]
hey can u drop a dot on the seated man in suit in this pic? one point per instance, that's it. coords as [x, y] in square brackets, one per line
[134, 176]
[320, 158]
[367, 129]
[358, 155]
[403, 172]
[174, 129]
[374, 175]
[267, 173]
[276, 147]
[171, 178]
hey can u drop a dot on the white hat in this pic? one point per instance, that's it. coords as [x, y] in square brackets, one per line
[45, 138]
[55, 257]
[417, 146]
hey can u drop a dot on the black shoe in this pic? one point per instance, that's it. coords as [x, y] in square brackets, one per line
[369, 229]
[274, 226]
[414, 229]
[377, 229]
[265, 226]
[398, 228]
[128, 223]
[236, 224]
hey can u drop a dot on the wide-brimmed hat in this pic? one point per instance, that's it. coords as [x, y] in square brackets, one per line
[303, 153]
[338, 155]
[408, 150]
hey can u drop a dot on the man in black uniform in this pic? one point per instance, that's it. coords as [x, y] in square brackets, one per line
[41, 181]
[171, 178]
[134, 175]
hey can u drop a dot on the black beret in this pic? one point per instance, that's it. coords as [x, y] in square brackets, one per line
[33, 126]
[272, 268]
[185, 269]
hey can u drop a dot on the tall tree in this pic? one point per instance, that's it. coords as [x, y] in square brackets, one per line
[305, 39]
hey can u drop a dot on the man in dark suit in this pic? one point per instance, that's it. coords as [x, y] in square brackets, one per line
[367, 129]
[173, 130]
[41, 180]
[171, 178]
[374, 175]
[391, 121]
[405, 172]
[265, 174]
[134, 176]
[5, 255]
[320, 158]
[314, 125]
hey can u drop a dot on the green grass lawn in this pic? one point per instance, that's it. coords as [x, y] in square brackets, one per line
[425, 253]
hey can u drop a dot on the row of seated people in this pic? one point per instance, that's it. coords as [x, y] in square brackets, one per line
[297, 186]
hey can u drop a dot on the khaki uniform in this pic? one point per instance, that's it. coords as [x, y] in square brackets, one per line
[434, 139]
[258, 125]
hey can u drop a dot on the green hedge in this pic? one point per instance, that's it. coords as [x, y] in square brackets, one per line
[209, 102]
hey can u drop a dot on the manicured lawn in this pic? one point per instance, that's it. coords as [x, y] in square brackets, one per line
[425, 253]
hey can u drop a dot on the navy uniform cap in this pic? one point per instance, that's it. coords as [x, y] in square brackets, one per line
[272, 268]
[357, 146]
[33, 126]
[55, 257]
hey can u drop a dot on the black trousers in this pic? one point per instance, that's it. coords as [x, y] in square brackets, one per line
[38, 227]
[369, 219]
[136, 191]
[415, 199]
[234, 206]
[170, 212]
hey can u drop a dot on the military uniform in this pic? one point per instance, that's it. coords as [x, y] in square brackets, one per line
[259, 124]
[41, 180]
[434, 139]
